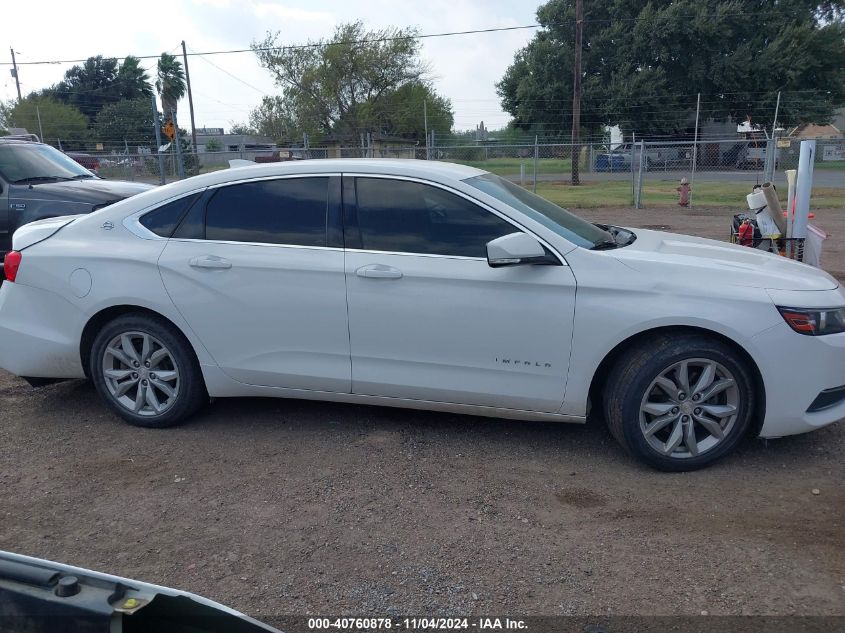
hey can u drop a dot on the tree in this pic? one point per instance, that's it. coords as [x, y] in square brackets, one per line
[58, 121]
[403, 112]
[337, 86]
[213, 145]
[645, 60]
[134, 82]
[126, 122]
[273, 118]
[241, 128]
[100, 81]
[170, 83]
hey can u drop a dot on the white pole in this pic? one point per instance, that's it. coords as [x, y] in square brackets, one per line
[790, 216]
[790, 198]
[694, 147]
[804, 188]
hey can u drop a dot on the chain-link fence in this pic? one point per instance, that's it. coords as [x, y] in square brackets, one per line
[639, 174]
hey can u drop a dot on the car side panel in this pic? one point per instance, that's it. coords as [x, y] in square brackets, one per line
[122, 270]
[616, 303]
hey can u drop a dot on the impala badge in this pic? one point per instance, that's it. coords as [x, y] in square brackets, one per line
[523, 363]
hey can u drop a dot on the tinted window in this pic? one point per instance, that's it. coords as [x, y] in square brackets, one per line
[163, 221]
[286, 211]
[22, 161]
[410, 217]
[561, 221]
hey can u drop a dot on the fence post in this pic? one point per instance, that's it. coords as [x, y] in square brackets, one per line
[633, 173]
[536, 160]
[180, 164]
[522, 174]
[591, 166]
[157, 125]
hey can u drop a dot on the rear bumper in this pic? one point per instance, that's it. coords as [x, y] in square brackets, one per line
[795, 370]
[39, 333]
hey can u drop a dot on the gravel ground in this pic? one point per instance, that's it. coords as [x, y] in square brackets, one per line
[292, 507]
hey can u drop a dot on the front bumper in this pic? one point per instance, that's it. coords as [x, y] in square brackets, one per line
[796, 369]
[39, 333]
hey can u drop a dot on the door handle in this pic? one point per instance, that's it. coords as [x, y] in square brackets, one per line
[210, 261]
[379, 271]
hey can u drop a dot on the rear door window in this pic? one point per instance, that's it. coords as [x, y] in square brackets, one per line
[290, 211]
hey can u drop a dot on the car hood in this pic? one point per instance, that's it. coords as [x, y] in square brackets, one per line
[93, 191]
[695, 260]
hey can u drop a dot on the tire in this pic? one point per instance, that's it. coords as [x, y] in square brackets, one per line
[680, 432]
[163, 363]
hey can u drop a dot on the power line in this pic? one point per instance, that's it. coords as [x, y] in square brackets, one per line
[423, 36]
[223, 70]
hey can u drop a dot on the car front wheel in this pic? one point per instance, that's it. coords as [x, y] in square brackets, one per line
[680, 402]
[146, 371]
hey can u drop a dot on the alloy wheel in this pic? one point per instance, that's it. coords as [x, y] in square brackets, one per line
[689, 408]
[140, 373]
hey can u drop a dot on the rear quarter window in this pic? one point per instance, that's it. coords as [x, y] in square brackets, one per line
[164, 220]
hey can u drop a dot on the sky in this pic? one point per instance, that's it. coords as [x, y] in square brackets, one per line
[463, 68]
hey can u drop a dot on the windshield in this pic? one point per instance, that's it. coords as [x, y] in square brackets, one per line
[20, 162]
[567, 225]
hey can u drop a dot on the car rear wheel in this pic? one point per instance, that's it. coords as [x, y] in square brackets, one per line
[680, 402]
[146, 371]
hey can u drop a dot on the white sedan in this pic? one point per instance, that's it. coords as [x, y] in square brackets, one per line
[424, 285]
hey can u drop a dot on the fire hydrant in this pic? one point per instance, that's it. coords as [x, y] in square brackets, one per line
[683, 191]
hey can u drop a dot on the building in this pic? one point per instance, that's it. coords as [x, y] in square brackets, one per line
[232, 142]
[369, 146]
[811, 130]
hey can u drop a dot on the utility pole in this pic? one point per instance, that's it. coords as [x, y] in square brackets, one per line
[157, 124]
[425, 119]
[40, 129]
[15, 74]
[695, 147]
[576, 92]
[775, 122]
[190, 97]
[180, 163]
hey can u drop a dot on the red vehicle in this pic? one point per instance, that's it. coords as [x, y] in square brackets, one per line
[86, 160]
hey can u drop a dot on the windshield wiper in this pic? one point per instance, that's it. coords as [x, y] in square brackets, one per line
[82, 176]
[605, 245]
[31, 179]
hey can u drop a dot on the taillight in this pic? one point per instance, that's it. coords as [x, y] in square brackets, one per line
[11, 265]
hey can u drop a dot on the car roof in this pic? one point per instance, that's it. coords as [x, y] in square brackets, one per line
[388, 166]
[13, 140]
[436, 171]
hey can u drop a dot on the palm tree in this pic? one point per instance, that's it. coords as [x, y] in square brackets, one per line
[170, 83]
[134, 83]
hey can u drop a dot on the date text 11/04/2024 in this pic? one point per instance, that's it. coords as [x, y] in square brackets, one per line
[416, 624]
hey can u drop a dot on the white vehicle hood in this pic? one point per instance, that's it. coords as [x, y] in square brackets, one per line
[698, 261]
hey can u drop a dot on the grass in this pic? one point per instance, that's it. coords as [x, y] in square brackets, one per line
[591, 195]
[830, 164]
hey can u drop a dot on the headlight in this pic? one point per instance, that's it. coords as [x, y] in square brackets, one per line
[814, 322]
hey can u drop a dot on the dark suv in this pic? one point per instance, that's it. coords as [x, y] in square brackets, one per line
[38, 181]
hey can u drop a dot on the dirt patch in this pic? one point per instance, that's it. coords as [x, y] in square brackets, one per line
[297, 507]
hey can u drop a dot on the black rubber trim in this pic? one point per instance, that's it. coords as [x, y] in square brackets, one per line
[334, 219]
[827, 398]
[28, 574]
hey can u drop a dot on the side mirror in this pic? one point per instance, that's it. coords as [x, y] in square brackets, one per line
[515, 249]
